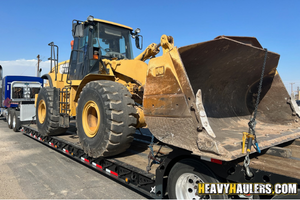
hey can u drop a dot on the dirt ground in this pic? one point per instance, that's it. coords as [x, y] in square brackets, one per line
[30, 170]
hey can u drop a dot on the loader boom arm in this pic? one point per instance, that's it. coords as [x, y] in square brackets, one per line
[151, 51]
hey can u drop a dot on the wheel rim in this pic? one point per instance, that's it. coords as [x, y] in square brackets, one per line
[91, 119]
[42, 111]
[8, 120]
[14, 122]
[186, 187]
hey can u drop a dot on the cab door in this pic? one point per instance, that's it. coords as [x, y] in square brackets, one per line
[79, 58]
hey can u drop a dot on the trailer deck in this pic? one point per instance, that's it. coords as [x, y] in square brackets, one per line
[283, 159]
[128, 167]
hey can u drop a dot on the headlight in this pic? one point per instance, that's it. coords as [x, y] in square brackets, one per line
[90, 18]
[137, 31]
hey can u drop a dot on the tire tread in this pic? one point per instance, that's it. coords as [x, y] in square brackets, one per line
[119, 111]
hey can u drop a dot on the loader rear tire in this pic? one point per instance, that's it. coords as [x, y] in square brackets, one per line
[184, 178]
[105, 118]
[10, 117]
[16, 124]
[47, 120]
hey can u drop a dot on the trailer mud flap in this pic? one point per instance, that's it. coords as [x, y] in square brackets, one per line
[226, 71]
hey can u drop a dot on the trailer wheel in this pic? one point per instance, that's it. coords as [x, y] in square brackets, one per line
[47, 120]
[9, 117]
[105, 118]
[16, 124]
[184, 178]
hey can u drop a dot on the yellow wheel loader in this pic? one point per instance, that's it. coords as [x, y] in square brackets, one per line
[198, 97]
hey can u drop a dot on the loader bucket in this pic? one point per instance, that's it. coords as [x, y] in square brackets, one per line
[201, 97]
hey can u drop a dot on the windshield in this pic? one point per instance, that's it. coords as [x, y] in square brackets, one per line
[114, 42]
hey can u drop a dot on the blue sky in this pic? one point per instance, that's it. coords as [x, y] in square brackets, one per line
[28, 26]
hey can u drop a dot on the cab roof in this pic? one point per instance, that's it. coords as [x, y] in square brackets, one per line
[112, 23]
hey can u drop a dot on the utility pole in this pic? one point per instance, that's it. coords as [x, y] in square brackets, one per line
[292, 93]
[38, 66]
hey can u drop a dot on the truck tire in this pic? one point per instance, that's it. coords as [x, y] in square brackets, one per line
[16, 124]
[184, 178]
[105, 118]
[9, 117]
[47, 117]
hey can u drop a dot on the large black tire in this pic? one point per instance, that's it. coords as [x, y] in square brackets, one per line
[184, 177]
[105, 118]
[16, 124]
[47, 115]
[10, 117]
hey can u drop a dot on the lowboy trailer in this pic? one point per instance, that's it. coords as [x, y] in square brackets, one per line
[148, 165]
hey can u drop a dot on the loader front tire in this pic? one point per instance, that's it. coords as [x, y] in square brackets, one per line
[47, 119]
[105, 118]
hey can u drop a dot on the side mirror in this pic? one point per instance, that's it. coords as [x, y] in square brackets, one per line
[135, 35]
[138, 42]
[77, 29]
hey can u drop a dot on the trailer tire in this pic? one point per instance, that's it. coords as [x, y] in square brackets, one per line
[9, 117]
[47, 117]
[105, 118]
[16, 124]
[184, 177]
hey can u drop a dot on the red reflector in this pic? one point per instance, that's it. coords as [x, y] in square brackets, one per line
[96, 165]
[99, 166]
[84, 159]
[114, 173]
[66, 151]
[216, 161]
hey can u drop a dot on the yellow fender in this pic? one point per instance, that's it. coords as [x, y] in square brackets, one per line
[88, 78]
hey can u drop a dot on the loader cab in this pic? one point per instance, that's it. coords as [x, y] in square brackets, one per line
[95, 40]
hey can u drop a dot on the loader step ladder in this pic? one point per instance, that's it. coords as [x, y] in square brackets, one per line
[64, 99]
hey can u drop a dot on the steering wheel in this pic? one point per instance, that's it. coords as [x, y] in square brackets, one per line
[108, 50]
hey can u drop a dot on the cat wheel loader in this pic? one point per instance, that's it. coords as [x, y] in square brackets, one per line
[198, 97]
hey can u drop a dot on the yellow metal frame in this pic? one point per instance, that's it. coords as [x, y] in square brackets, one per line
[88, 78]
